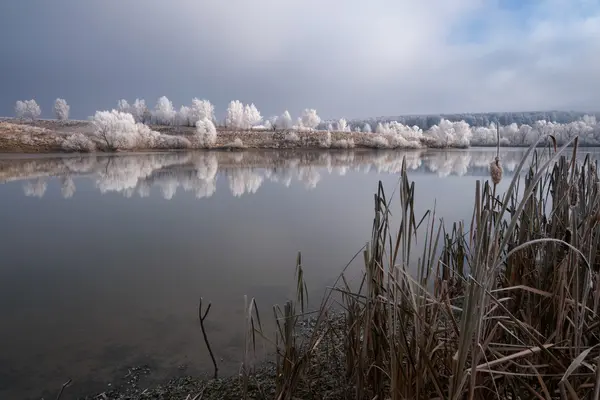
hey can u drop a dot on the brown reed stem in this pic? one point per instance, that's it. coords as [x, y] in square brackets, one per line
[202, 317]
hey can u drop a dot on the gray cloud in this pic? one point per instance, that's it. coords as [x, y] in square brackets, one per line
[351, 58]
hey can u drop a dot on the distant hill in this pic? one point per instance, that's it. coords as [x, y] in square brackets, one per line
[474, 119]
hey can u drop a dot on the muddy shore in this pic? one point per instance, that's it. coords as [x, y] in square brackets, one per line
[325, 378]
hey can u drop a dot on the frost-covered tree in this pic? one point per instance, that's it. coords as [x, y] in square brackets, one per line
[119, 131]
[184, 116]
[123, 106]
[32, 110]
[251, 116]
[139, 110]
[115, 129]
[235, 115]
[450, 134]
[61, 109]
[284, 121]
[367, 128]
[310, 119]
[20, 109]
[201, 109]
[206, 133]
[164, 113]
[27, 109]
[399, 135]
[342, 126]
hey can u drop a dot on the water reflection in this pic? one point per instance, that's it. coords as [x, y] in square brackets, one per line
[197, 172]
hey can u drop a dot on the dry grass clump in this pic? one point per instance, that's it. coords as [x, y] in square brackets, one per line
[506, 308]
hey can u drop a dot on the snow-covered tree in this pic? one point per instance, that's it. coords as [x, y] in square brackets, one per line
[164, 113]
[27, 109]
[201, 109]
[284, 121]
[251, 116]
[310, 119]
[61, 109]
[367, 128]
[235, 115]
[206, 133]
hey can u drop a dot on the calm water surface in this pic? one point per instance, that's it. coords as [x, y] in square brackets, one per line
[104, 258]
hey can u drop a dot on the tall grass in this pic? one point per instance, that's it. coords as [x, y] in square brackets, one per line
[505, 308]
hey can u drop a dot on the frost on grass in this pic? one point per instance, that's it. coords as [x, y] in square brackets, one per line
[326, 141]
[236, 144]
[376, 142]
[167, 142]
[343, 144]
[291, 137]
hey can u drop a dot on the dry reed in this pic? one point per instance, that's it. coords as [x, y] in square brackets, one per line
[506, 308]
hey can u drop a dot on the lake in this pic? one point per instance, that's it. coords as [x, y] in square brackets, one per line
[104, 257]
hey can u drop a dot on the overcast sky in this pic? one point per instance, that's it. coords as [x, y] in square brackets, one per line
[351, 58]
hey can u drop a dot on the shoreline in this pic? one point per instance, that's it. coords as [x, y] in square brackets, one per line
[49, 136]
[139, 384]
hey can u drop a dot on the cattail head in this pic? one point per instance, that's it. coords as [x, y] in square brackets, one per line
[496, 171]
